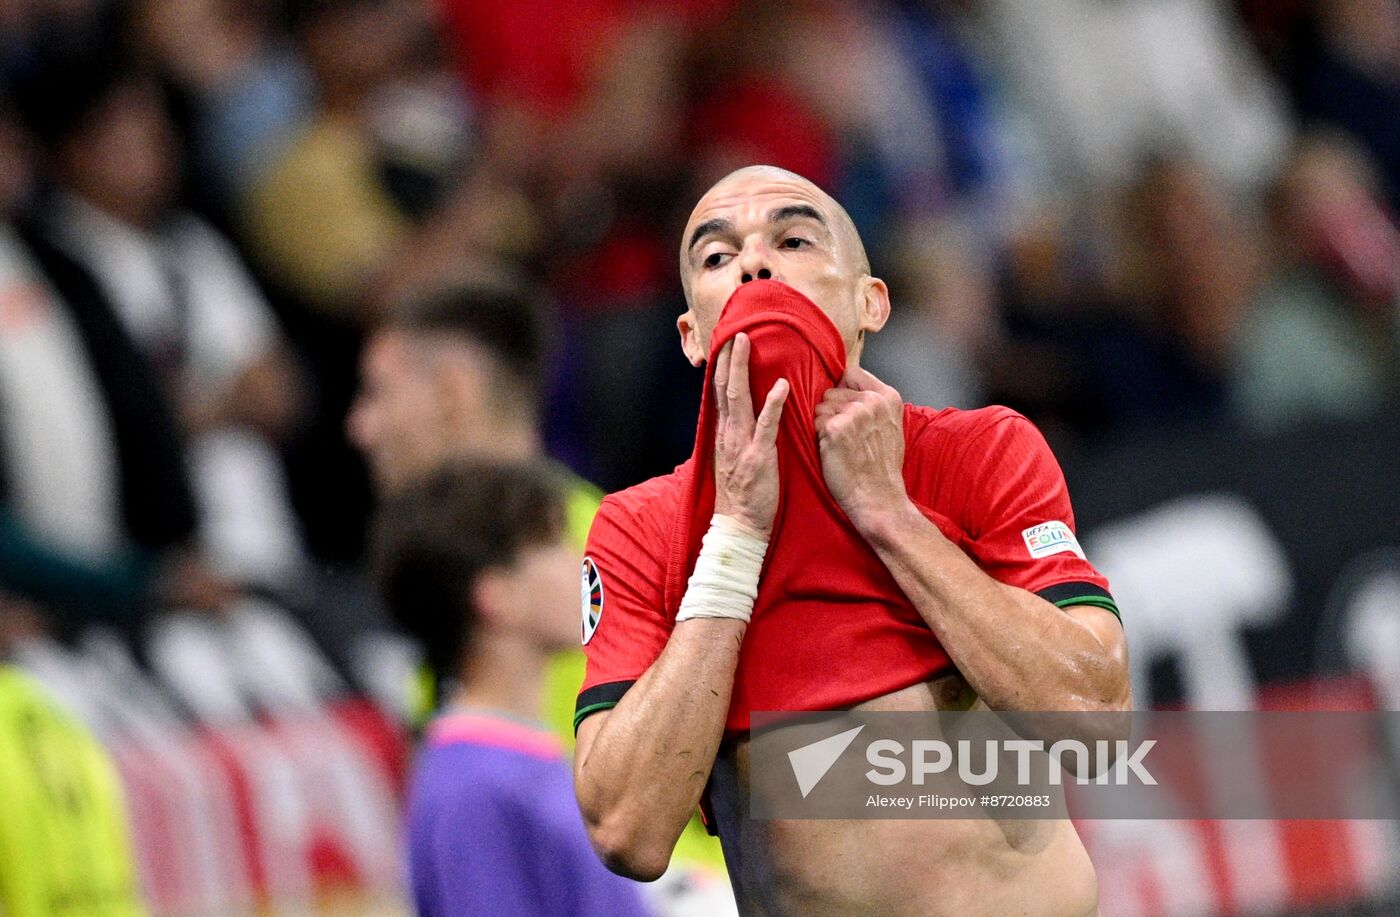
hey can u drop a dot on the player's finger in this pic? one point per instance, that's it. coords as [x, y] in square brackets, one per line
[740, 401]
[722, 378]
[766, 427]
[840, 395]
[862, 381]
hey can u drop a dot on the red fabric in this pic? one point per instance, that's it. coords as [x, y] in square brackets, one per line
[822, 584]
[830, 627]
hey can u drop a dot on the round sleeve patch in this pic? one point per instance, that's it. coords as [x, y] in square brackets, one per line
[591, 589]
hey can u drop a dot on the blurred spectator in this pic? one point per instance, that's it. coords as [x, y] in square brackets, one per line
[1347, 74]
[592, 99]
[95, 517]
[170, 303]
[448, 376]
[246, 87]
[905, 129]
[1046, 296]
[760, 61]
[1322, 340]
[1133, 325]
[333, 216]
[319, 215]
[1107, 82]
[944, 319]
[1192, 266]
[65, 844]
[476, 562]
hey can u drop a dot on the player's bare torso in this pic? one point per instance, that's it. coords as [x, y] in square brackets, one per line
[895, 866]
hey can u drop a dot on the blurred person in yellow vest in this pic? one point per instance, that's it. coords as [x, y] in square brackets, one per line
[65, 848]
[458, 374]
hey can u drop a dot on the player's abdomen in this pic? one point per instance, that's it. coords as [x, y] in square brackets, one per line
[898, 866]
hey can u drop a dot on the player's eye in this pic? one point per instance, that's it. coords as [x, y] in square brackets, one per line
[795, 242]
[715, 259]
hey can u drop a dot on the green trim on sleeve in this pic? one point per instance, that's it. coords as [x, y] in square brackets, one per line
[591, 709]
[599, 697]
[1097, 600]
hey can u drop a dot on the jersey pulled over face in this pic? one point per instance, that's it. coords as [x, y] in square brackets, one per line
[765, 223]
[830, 627]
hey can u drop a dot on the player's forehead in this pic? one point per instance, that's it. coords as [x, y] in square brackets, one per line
[756, 193]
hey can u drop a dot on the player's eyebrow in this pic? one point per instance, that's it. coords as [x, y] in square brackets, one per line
[716, 225]
[777, 215]
[794, 211]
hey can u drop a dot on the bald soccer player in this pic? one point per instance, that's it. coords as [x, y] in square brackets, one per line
[1001, 623]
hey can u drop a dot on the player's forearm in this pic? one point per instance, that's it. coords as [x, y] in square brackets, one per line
[641, 776]
[1016, 650]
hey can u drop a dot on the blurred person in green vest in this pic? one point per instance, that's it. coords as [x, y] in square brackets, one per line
[65, 848]
[459, 374]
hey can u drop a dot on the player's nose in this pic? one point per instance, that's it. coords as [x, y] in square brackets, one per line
[754, 265]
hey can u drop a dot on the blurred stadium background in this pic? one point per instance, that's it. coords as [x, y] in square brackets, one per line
[1163, 229]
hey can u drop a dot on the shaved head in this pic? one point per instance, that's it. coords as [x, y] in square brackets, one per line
[762, 223]
[842, 226]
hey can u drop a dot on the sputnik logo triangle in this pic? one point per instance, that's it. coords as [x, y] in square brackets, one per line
[811, 762]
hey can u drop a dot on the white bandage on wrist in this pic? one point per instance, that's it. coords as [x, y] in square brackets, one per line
[725, 581]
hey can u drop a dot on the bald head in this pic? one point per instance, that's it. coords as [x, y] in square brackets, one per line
[763, 222]
[753, 178]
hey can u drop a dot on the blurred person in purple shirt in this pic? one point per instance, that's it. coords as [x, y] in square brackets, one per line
[476, 563]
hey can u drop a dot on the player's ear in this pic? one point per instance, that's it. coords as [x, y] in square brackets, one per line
[875, 305]
[690, 338]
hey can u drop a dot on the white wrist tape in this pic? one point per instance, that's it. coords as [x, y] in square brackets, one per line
[725, 581]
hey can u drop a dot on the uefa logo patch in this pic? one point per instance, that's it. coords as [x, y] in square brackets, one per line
[591, 590]
[1051, 538]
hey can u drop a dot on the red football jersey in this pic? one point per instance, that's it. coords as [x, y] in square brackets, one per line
[988, 472]
[830, 626]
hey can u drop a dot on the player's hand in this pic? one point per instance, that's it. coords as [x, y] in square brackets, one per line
[860, 434]
[746, 454]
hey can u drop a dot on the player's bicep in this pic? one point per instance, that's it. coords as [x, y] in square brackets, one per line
[624, 628]
[1106, 628]
[1106, 657]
